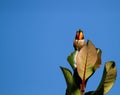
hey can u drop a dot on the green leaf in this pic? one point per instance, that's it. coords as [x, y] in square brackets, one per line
[99, 92]
[71, 59]
[108, 78]
[89, 93]
[68, 76]
[77, 79]
[76, 92]
[73, 92]
[85, 60]
[72, 88]
[98, 62]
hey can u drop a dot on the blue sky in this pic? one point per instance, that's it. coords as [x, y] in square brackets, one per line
[36, 36]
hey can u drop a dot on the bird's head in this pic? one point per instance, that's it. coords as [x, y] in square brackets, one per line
[79, 35]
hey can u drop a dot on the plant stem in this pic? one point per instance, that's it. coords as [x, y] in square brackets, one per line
[82, 93]
[83, 87]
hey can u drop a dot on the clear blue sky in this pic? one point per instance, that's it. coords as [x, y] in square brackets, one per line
[36, 36]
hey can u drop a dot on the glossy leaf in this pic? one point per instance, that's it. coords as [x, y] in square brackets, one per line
[77, 79]
[98, 92]
[71, 59]
[108, 78]
[86, 60]
[89, 93]
[72, 88]
[68, 76]
[74, 91]
[98, 62]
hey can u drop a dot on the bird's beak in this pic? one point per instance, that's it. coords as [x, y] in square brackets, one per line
[81, 36]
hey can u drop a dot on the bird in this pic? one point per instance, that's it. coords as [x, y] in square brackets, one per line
[79, 40]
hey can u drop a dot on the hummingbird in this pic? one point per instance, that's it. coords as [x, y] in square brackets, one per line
[79, 40]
